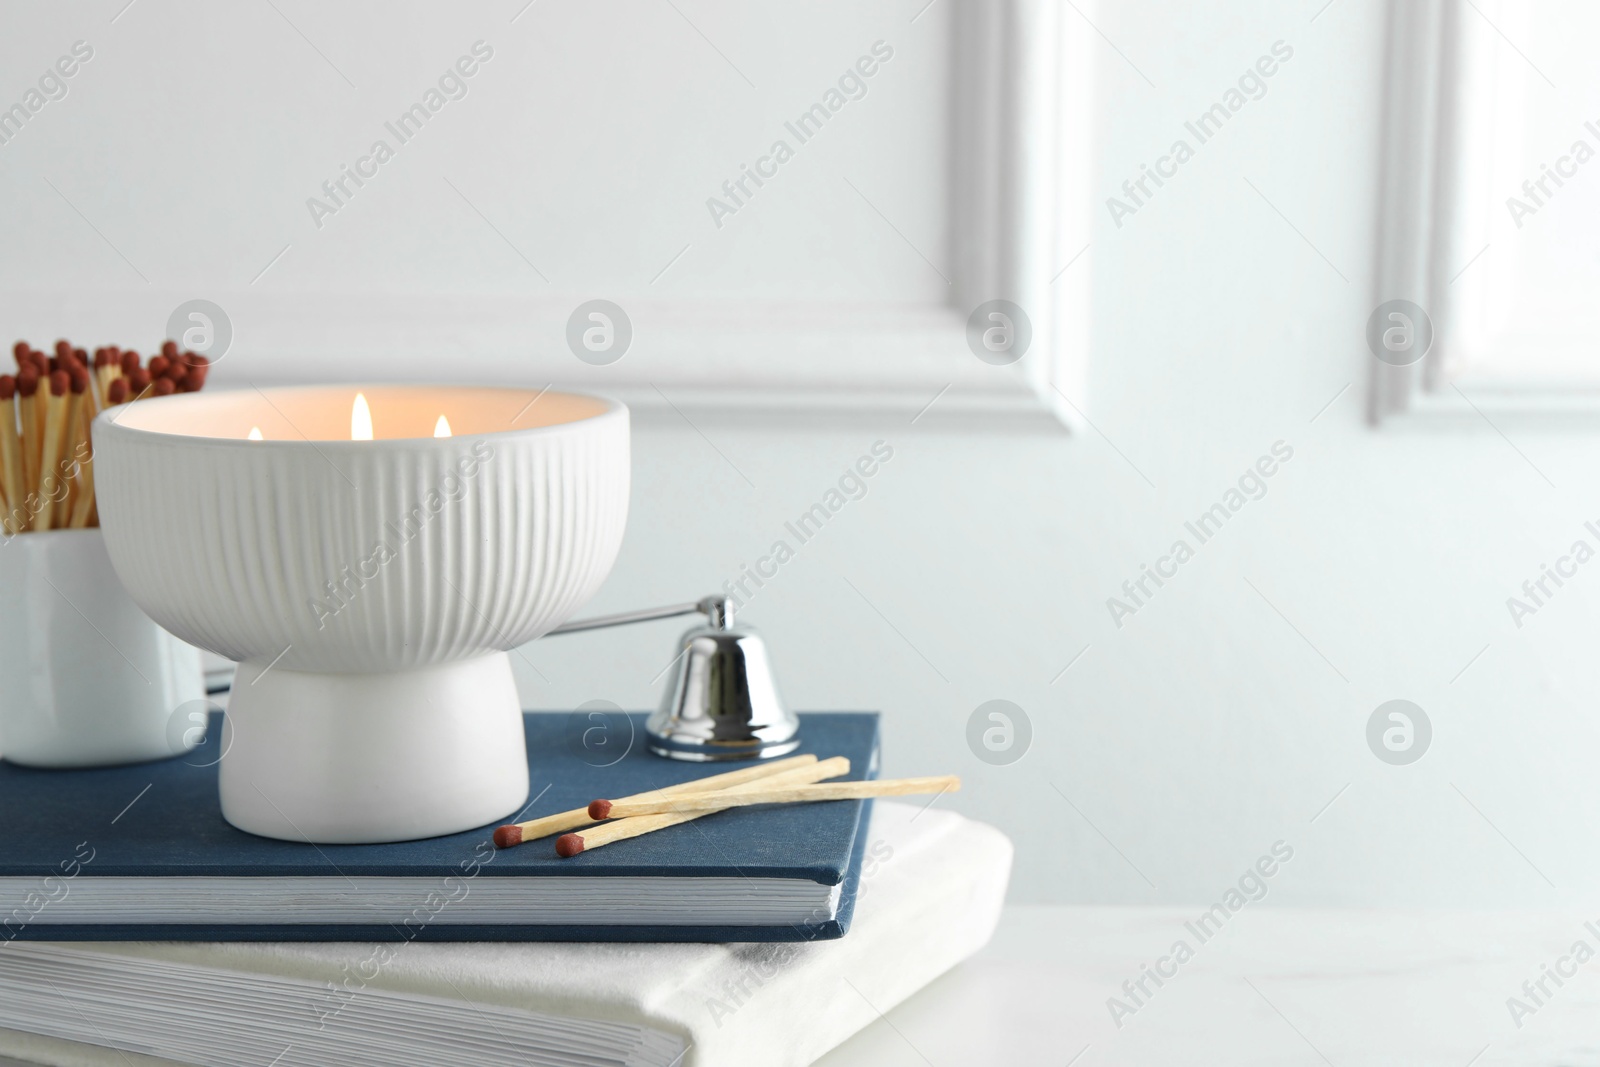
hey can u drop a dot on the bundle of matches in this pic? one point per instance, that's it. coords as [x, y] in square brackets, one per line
[46, 408]
[172, 371]
[789, 781]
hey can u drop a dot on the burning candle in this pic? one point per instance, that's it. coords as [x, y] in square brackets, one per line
[358, 559]
[360, 419]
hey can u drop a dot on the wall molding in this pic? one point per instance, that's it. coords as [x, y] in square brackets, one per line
[1409, 219]
[1011, 185]
[1429, 108]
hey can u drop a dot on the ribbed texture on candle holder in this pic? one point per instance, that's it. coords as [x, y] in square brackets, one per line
[364, 556]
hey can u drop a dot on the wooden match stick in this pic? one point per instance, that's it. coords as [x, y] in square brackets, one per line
[96, 363]
[773, 794]
[41, 410]
[569, 845]
[516, 833]
[50, 481]
[27, 403]
[68, 464]
[83, 507]
[113, 371]
[11, 456]
[83, 511]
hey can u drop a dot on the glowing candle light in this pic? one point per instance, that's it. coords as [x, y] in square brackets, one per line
[360, 420]
[255, 434]
[442, 427]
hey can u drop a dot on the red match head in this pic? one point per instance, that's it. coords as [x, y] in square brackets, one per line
[568, 845]
[508, 836]
[599, 809]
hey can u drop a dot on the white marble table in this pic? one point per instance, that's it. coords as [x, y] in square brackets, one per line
[1272, 986]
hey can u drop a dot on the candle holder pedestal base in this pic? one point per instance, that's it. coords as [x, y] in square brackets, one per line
[367, 758]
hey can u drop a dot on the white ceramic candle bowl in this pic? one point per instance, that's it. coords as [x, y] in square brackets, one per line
[369, 588]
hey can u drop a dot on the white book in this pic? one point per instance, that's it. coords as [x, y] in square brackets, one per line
[932, 885]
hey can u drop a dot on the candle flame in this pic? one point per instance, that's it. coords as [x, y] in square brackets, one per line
[360, 420]
[442, 427]
[255, 434]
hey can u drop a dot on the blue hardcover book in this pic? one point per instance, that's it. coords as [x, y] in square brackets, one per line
[141, 853]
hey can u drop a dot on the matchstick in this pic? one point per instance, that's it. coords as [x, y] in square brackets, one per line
[773, 794]
[16, 485]
[83, 506]
[54, 440]
[83, 511]
[516, 833]
[113, 372]
[96, 364]
[68, 465]
[569, 845]
[28, 403]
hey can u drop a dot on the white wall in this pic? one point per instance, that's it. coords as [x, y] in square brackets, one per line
[592, 139]
[1188, 740]
[1206, 728]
